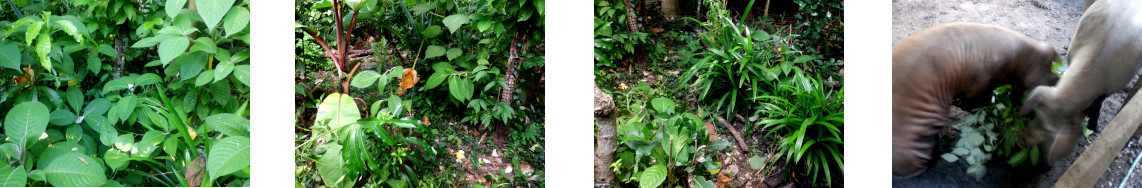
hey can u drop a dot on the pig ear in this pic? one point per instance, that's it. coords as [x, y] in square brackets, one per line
[1034, 99]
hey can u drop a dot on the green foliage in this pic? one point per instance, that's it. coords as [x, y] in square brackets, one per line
[72, 121]
[994, 130]
[613, 40]
[808, 120]
[656, 140]
[739, 63]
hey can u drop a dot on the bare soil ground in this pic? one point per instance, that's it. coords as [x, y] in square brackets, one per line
[1051, 21]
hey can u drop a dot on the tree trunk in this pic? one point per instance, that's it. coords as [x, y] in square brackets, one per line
[670, 9]
[606, 142]
[632, 24]
[520, 39]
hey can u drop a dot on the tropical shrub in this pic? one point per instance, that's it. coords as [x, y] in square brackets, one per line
[808, 120]
[84, 110]
[739, 63]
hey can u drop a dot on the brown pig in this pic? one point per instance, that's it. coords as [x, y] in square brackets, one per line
[949, 62]
[1104, 55]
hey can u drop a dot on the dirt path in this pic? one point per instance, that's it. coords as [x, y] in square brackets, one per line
[1051, 21]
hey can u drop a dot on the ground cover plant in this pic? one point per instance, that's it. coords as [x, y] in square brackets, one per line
[125, 93]
[731, 93]
[366, 118]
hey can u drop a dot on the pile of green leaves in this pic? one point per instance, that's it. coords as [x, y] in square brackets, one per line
[662, 146]
[822, 25]
[994, 130]
[178, 120]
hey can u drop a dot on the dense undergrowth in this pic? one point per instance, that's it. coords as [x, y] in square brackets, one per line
[125, 93]
[366, 118]
[705, 67]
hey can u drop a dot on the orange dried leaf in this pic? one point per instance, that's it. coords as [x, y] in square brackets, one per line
[425, 121]
[410, 78]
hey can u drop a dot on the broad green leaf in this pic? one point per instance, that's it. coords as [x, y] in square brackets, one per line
[212, 11]
[74, 133]
[55, 150]
[115, 85]
[107, 133]
[229, 124]
[43, 47]
[236, 20]
[191, 64]
[13, 177]
[26, 121]
[332, 167]
[720, 144]
[365, 79]
[37, 175]
[206, 45]
[431, 31]
[460, 88]
[436, 79]
[454, 21]
[223, 70]
[157, 119]
[338, 110]
[539, 6]
[483, 25]
[443, 67]
[126, 106]
[75, 170]
[453, 53]
[33, 31]
[663, 105]
[433, 51]
[204, 78]
[221, 93]
[227, 156]
[171, 48]
[62, 117]
[173, 7]
[147, 79]
[97, 107]
[151, 41]
[9, 55]
[94, 64]
[756, 162]
[652, 177]
[242, 72]
[170, 146]
[69, 28]
[116, 159]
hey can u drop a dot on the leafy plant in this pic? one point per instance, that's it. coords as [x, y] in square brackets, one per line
[808, 120]
[72, 122]
[823, 25]
[739, 63]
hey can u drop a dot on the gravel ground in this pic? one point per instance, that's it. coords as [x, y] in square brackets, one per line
[1051, 21]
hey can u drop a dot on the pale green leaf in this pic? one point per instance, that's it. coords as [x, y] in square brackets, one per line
[62, 117]
[212, 11]
[236, 20]
[756, 162]
[431, 31]
[147, 79]
[9, 55]
[13, 177]
[453, 22]
[204, 78]
[337, 110]
[116, 159]
[453, 53]
[242, 72]
[173, 7]
[43, 47]
[75, 170]
[223, 70]
[663, 105]
[434, 51]
[229, 124]
[365, 79]
[228, 156]
[33, 31]
[171, 48]
[435, 79]
[69, 28]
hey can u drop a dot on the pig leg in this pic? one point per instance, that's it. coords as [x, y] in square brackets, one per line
[1093, 111]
